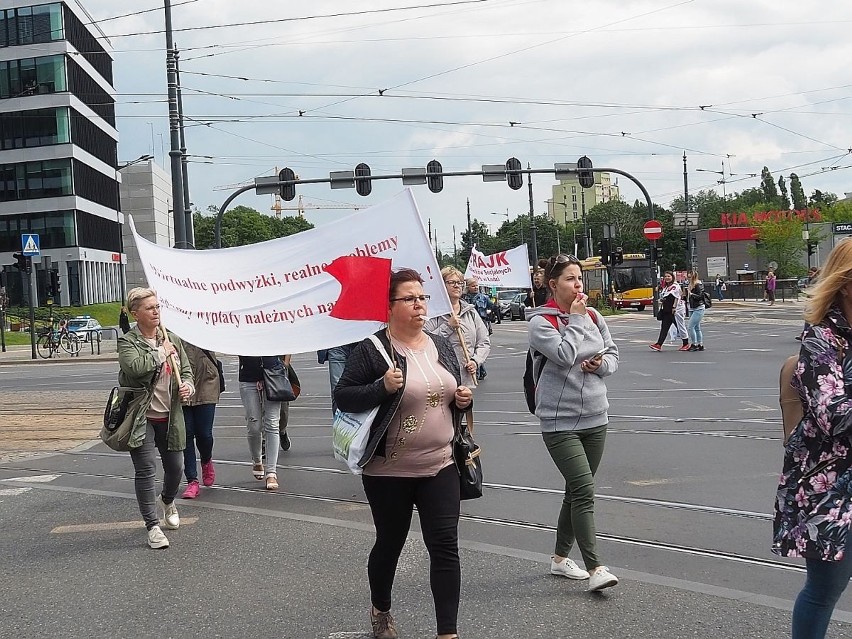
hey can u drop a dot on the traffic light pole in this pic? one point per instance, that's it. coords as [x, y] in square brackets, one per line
[33, 301]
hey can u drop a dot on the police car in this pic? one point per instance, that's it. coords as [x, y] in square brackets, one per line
[85, 326]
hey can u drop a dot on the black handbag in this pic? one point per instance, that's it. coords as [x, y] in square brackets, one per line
[121, 412]
[276, 385]
[466, 454]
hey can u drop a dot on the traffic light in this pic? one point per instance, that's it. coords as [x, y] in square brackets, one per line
[435, 182]
[363, 183]
[811, 248]
[586, 178]
[55, 284]
[603, 249]
[653, 253]
[513, 174]
[618, 256]
[22, 262]
[287, 191]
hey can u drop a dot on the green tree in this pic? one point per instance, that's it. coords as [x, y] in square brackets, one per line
[478, 235]
[626, 223]
[797, 193]
[822, 201]
[781, 242]
[242, 226]
[840, 211]
[785, 198]
[767, 185]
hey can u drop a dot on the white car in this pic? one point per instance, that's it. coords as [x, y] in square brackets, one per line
[85, 326]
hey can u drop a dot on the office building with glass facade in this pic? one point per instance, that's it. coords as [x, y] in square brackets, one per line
[58, 151]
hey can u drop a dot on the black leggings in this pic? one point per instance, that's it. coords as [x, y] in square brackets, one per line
[437, 499]
[667, 321]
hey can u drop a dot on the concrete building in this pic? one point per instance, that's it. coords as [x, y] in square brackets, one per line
[146, 194]
[58, 151]
[566, 203]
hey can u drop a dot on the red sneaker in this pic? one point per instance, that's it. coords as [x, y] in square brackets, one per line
[208, 473]
[191, 491]
[685, 347]
[655, 347]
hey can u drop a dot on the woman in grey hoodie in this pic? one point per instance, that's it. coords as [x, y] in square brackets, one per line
[573, 352]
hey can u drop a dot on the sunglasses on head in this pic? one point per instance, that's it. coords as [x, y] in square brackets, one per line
[563, 259]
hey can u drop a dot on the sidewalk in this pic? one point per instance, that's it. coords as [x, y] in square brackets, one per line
[22, 354]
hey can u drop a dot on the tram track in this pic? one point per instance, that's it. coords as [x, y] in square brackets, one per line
[501, 522]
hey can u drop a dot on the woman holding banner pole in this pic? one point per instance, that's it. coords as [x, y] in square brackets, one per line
[463, 327]
[151, 357]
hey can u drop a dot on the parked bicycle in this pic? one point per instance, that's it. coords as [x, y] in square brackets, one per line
[53, 339]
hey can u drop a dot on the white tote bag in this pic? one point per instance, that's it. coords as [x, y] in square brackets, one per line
[351, 431]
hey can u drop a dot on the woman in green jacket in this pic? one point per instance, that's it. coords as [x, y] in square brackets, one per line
[146, 357]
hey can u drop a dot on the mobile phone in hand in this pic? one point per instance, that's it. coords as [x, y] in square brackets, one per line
[597, 356]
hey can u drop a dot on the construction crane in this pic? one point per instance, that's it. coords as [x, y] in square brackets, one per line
[301, 207]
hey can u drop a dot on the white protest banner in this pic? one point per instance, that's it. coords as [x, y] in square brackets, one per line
[275, 297]
[508, 269]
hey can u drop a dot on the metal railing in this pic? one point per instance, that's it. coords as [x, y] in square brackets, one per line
[785, 290]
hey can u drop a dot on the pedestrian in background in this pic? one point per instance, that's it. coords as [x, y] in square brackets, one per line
[262, 416]
[462, 323]
[697, 307]
[481, 303]
[124, 321]
[575, 354]
[146, 355]
[198, 415]
[669, 293]
[770, 286]
[720, 288]
[336, 358]
[813, 506]
[680, 320]
[538, 293]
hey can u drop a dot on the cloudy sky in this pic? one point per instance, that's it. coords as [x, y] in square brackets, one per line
[323, 85]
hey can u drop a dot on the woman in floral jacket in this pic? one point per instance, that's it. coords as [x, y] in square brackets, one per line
[813, 507]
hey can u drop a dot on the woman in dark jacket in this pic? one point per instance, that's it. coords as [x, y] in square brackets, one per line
[669, 297]
[408, 461]
[262, 416]
[813, 506]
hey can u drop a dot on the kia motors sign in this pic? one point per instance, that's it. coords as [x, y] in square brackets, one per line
[652, 230]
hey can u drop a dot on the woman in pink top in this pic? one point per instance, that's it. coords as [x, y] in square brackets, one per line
[409, 461]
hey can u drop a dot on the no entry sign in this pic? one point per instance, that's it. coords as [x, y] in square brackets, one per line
[652, 230]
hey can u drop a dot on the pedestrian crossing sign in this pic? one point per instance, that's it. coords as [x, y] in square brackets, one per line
[30, 243]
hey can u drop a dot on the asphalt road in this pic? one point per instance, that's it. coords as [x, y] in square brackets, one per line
[685, 488]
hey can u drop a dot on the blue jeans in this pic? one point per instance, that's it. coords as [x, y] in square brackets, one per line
[694, 328]
[336, 363]
[825, 583]
[199, 432]
[262, 418]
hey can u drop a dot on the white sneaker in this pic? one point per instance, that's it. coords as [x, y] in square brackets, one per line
[601, 578]
[567, 568]
[168, 514]
[156, 538]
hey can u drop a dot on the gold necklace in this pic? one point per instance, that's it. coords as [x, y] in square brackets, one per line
[411, 425]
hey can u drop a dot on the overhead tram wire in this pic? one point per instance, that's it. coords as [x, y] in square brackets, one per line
[524, 49]
[340, 14]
